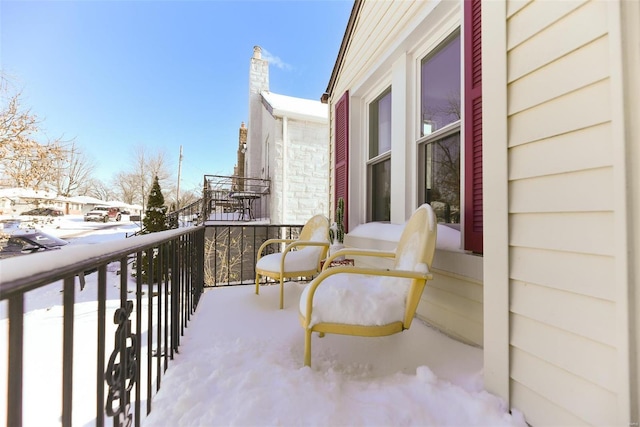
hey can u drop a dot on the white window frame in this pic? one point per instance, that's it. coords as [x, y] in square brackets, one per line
[380, 157]
[421, 142]
[398, 67]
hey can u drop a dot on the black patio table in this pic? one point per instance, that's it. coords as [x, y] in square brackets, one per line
[247, 198]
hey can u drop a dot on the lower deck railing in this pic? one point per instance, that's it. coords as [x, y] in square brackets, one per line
[129, 363]
[230, 251]
[133, 351]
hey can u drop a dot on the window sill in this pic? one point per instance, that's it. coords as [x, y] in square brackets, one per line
[448, 258]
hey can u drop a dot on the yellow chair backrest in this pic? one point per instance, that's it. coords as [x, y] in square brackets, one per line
[300, 257]
[316, 229]
[415, 250]
[418, 240]
[393, 289]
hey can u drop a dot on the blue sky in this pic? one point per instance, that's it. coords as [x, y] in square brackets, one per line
[119, 74]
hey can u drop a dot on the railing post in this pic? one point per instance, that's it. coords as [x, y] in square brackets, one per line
[158, 266]
[168, 258]
[200, 239]
[149, 254]
[67, 350]
[15, 366]
[175, 278]
[138, 343]
[100, 365]
[122, 369]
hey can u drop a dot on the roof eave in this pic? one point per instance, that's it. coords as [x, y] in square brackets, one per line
[346, 39]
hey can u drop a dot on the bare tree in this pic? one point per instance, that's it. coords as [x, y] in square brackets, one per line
[98, 189]
[188, 197]
[156, 165]
[24, 162]
[144, 167]
[75, 170]
[225, 255]
[126, 185]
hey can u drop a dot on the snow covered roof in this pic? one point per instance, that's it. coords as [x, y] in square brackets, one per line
[296, 108]
[29, 193]
[119, 204]
[87, 200]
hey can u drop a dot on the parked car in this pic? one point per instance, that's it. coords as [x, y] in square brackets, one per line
[21, 241]
[103, 214]
[43, 212]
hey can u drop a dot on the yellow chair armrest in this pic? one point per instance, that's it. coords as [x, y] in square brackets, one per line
[348, 269]
[270, 242]
[305, 243]
[358, 252]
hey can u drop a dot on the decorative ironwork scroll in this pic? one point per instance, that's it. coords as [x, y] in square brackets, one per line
[121, 370]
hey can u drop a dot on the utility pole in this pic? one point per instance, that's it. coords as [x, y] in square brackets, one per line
[142, 183]
[178, 188]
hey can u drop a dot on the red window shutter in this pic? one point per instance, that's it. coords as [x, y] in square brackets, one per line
[341, 138]
[473, 126]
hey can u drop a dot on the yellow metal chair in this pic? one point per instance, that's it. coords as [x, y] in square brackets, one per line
[301, 257]
[372, 302]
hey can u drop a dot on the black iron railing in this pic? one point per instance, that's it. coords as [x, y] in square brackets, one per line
[225, 199]
[125, 377]
[233, 198]
[131, 362]
[230, 251]
[189, 215]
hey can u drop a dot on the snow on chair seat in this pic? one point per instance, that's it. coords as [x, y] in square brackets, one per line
[301, 257]
[368, 301]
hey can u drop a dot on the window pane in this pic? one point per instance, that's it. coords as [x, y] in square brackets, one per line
[380, 125]
[442, 178]
[381, 191]
[440, 83]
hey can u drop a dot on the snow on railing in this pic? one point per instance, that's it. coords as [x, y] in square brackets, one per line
[125, 367]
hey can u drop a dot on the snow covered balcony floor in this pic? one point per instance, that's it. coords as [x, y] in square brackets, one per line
[241, 363]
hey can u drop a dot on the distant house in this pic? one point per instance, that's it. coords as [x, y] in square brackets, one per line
[518, 122]
[14, 201]
[88, 203]
[287, 143]
[85, 203]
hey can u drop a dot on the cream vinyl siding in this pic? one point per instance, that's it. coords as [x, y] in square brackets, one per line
[383, 49]
[563, 339]
[453, 302]
[377, 27]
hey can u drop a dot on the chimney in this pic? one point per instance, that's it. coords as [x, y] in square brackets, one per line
[258, 73]
[242, 134]
[242, 149]
[256, 135]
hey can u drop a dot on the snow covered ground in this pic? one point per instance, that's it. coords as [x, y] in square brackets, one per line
[241, 363]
